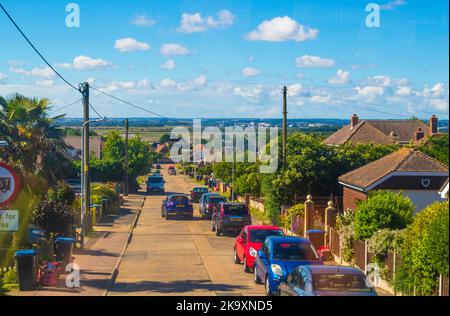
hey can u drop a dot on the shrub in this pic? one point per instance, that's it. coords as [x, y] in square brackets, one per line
[384, 240]
[296, 210]
[345, 227]
[383, 209]
[425, 251]
[101, 191]
[53, 216]
[62, 192]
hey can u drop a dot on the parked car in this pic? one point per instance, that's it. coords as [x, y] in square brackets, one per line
[158, 167]
[249, 241]
[155, 183]
[327, 281]
[177, 205]
[208, 203]
[172, 170]
[197, 192]
[230, 217]
[278, 257]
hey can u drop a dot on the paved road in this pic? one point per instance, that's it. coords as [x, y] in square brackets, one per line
[179, 257]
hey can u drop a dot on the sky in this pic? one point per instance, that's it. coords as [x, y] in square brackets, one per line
[231, 58]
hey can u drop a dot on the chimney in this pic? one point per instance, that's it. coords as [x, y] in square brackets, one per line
[433, 125]
[354, 120]
[419, 134]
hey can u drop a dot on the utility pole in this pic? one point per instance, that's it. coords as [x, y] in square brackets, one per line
[284, 124]
[126, 186]
[85, 181]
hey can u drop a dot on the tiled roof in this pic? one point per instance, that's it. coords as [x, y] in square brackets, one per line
[403, 160]
[378, 131]
[95, 143]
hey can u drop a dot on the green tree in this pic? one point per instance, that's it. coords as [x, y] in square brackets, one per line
[437, 147]
[114, 149]
[164, 138]
[425, 251]
[382, 209]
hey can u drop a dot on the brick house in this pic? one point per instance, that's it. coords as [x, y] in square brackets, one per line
[96, 144]
[411, 172]
[386, 132]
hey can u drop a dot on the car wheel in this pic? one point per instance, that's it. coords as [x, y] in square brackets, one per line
[255, 276]
[246, 268]
[236, 258]
[267, 287]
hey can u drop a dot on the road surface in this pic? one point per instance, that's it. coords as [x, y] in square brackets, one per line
[179, 257]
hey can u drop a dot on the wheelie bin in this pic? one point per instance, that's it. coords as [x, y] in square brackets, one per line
[26, 261]
[64, 249]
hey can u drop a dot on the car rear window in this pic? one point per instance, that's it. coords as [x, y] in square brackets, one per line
[200, 190]
[179, 199]
[155, 180]
[259, 235]
[238, 210]
[294, 251]
[216, 200]
[341, 282]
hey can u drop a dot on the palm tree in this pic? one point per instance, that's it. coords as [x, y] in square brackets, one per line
[36, 145]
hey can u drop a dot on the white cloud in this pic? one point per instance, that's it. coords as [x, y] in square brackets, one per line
[169, 65]
[252, 94]
[385, 81]
[320, 99]
[167, 83]
[308, 61]
[200, 81]
[369, 93]
[130, 45]
[294, 90]
[250, 72]
[192, 23]
[437, 91]
[44, 72]
[174, 50]
[342, 77]
[144, 83]
[439, 104]
[84, 63]
[3, 76]
[63, 65]
[282, 29]
[44, 83]
[143, 20]
[404, 91]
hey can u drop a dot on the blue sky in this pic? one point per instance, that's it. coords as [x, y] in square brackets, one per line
[231, 58]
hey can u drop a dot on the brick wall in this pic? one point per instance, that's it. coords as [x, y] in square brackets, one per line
[351, 196]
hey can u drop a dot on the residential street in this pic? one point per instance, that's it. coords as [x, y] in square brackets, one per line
[179, 257]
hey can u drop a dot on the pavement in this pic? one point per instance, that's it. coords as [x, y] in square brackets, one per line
[179, 257]
[101, 255]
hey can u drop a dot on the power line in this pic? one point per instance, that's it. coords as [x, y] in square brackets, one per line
[35, 49]
[92, 107]
[66, 106]
[129, 103]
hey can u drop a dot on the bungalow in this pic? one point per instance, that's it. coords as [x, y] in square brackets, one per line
[409, 171]
[386, 132]
[74, 143]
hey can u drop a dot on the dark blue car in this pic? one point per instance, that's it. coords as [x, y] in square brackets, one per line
[177, 205]
[279, 256]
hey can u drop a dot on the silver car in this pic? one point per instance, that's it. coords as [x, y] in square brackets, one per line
[327, 281]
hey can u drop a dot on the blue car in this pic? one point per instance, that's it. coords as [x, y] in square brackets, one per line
[177, 205]
[278, 257]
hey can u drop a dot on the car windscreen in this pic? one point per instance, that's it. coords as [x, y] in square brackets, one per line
[155, 180]
[259, 235]
[294, 251]
[235, 210]
[340, 282]
[200, 190]
[216, 200]
[179, 199]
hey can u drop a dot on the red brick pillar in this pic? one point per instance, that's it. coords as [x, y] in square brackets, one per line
[309, 214]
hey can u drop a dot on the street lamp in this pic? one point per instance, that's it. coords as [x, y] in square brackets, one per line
[83, 184]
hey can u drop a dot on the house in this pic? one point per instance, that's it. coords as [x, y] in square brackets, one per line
[409, 171]
[386, 132]
[95, 145]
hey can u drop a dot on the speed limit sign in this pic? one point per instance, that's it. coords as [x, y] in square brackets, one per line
[9, 184]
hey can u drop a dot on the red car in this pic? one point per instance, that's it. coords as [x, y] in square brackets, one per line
[249, 241]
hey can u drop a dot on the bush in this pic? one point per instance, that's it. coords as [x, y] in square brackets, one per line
[62, 193]
[383, 209]
[53, 216]
[101, 191]
[345, 226]
[296, 210]
[425, 251]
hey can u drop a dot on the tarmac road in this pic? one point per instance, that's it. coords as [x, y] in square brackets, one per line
[179, 257]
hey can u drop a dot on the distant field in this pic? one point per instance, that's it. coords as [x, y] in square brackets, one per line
[150, 134]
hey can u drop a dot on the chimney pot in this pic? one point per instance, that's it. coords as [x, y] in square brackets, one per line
[433, 125]
[354, 120]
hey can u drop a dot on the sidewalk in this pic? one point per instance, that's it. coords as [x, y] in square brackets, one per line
[101, 255]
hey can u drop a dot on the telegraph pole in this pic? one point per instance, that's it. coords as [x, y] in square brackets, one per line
[284, 124]
[126, 186]
[85, 181]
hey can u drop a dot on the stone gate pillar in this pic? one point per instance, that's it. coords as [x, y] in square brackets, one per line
[330, 219]
[309, 215]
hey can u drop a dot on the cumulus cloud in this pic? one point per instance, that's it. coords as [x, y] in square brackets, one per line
[44, 83]
[250, 72]
[84, 63]
[404, 91]
[174, 50]
[126, 85]
[129, 44]
[3, 76]
[192, 23]
[44, 72]
[143, 20]
[252, 94]
[308, 61]
[169, 65]
[294, 90]
[369, 93]
[320, 99]
[167, 83]
[282, 29]
[200, 81]
[342, 77]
